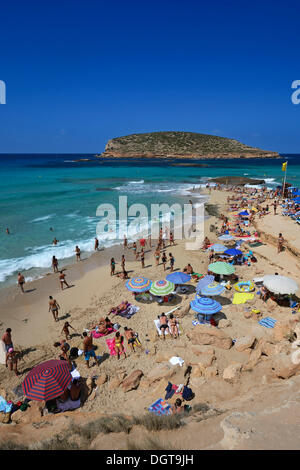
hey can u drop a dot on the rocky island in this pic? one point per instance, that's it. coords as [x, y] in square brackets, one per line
[180, 145]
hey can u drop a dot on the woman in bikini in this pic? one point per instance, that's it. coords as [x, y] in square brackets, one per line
[53, 306]
[54, 264]
[112, 266]
[12, 360]
[157, 255]
[173, 324]
[164, 260]
[119, 348]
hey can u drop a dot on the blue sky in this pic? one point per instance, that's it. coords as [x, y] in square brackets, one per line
[81, 72]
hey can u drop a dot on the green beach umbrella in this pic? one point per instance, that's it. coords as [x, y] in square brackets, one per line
[219, 267]
[162, 287]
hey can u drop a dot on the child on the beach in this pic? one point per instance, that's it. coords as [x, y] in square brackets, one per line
[66, 329]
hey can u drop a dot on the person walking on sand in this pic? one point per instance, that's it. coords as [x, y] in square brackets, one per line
[125, 242]
[62, 280]
[172, 239]
[134, 247]
[172, 262]
[12, 360]
[157, 255]
[96, 247]
[164, 260]
[21, 281]
[6, 338]
[275, 206]
[55, 264]
[143, 258]
[65, 330]
[88, 349]
[280, 242]
[123, 263]
[53, 307]
[78, 253]
[112, 266]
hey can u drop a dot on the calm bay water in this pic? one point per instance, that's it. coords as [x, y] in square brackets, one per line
[39, 192]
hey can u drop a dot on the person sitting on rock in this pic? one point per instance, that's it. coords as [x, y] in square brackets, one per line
[177, 407]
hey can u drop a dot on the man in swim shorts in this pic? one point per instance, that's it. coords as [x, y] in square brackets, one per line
[88, 349]
[6, 338]
[163, 320]
[21, 281]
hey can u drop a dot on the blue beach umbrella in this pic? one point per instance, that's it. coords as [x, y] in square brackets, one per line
[205, 305]
[139, 284]
[208, 279]
[226, 237]
[244, 213]
[218, 248]
[296, 193]
[178, 278]
[212, 289]
[233, 252]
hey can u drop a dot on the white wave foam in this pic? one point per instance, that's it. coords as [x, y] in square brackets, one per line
[136, 182]
[42, 219]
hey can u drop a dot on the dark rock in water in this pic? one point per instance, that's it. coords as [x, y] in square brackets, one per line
[236, 180]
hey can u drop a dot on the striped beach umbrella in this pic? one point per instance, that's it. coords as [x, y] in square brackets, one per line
[220, 267]
[208, 279]
[218, 248]
[139, 284]
[205, 306]
[212, 289]
[226, 237]
[47, 380]
[178, 277]
[162, 287]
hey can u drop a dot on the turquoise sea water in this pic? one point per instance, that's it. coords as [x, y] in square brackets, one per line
[42, 191]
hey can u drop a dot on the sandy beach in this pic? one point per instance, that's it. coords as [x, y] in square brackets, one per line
[94, 292]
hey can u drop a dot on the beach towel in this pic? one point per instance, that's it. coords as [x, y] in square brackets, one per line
[160, 407]
[68, 405]
[241, 297]
[131, 310]
[268, 322]
[157, 324]
[95, 334]
[111, 346]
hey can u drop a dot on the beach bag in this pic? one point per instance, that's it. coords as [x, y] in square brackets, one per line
[187, 393]
[74, 353]
[253, 259]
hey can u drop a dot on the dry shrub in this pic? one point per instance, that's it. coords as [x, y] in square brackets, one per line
[153, 422]
[104, 425]
[149, 443]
